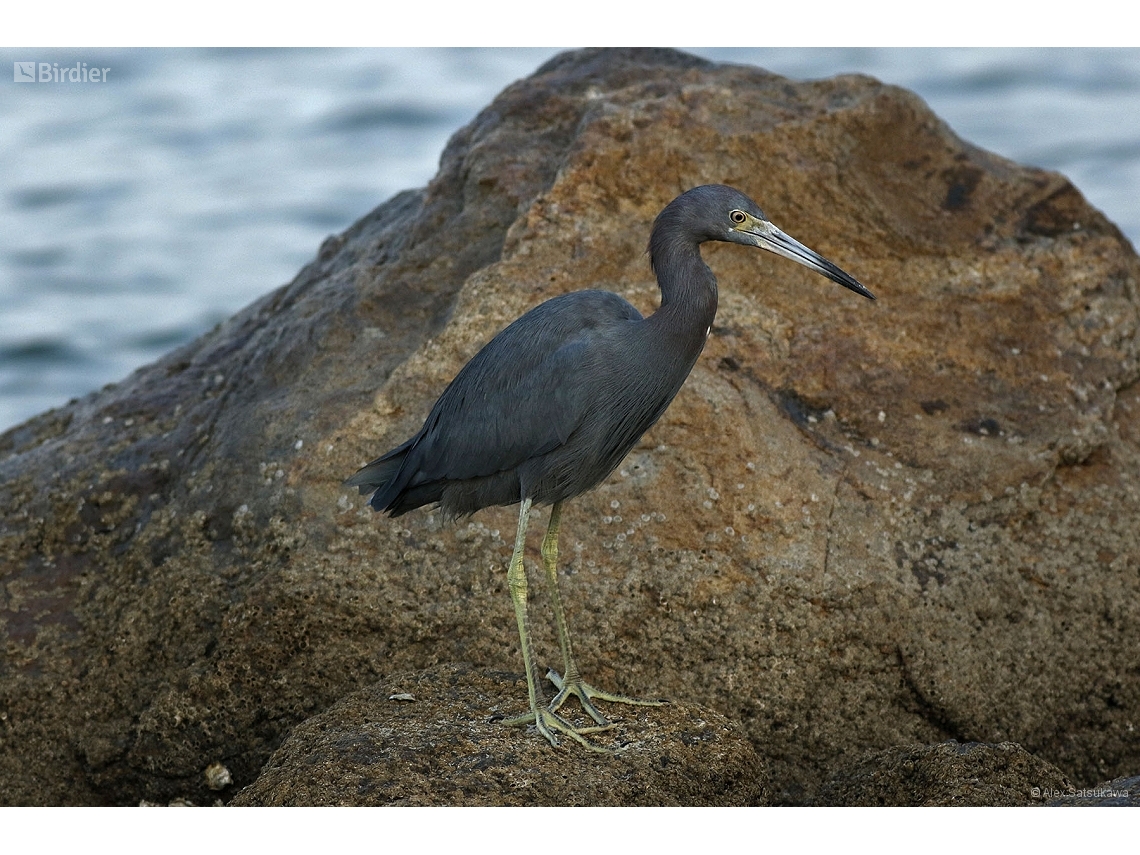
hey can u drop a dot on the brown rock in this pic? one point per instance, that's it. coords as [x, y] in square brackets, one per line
[436, 738]
[859, 525]
[948, 774]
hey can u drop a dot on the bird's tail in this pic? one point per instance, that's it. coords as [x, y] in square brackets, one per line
[393, 488]
[377, 477]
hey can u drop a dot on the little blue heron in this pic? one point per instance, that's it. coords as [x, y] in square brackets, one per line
[551, 405]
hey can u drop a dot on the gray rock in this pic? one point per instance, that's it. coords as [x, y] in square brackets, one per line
[1119, 792]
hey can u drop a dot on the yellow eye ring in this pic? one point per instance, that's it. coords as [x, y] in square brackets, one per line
[738, 217]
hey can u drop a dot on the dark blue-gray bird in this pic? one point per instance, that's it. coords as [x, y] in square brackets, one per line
[554, 402]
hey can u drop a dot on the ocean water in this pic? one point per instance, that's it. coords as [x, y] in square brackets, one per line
[138, 212]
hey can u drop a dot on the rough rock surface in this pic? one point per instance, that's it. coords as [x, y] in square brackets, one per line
[436, 738]
[948, 774]
[859, 525]
[1119, 792]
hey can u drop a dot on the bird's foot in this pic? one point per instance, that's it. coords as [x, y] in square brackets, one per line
[548, 722]
[585, 693]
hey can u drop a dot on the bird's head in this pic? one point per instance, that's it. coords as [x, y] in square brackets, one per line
[717, 212]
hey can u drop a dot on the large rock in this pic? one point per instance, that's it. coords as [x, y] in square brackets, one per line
[859, 525]
[435, 737]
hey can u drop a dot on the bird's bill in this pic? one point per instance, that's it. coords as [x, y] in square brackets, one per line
[768, 237]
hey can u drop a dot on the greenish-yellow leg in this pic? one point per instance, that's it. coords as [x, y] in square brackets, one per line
[571, 683]
[545, 719]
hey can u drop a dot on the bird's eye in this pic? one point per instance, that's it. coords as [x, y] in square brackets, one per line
[737, 217]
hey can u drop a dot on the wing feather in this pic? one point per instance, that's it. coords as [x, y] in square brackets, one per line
[522, 395]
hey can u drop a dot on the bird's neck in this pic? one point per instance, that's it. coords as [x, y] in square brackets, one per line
[688, 291]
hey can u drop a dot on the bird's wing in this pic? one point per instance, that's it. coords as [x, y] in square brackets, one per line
[523, 394]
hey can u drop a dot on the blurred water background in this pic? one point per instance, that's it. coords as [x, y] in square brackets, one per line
[137, 213]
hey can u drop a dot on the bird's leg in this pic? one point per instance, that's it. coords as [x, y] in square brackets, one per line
[570, 682]
[516, 581]
[543, 718]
